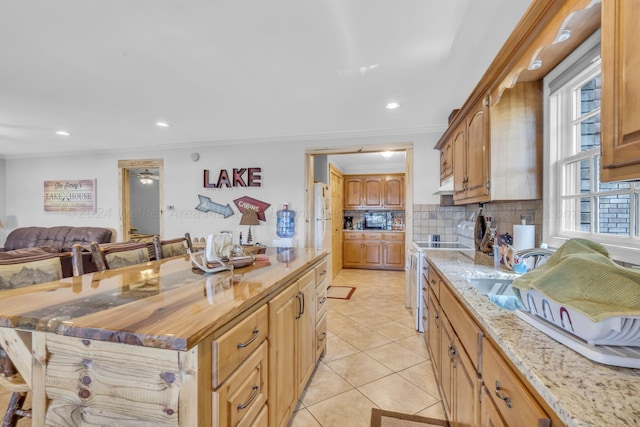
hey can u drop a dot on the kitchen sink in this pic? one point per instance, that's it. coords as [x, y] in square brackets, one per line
[489, 285]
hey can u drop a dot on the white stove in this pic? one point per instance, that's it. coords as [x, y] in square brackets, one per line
[418, 267]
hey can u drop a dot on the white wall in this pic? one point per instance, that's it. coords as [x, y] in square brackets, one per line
[283, 180]
[3, 180]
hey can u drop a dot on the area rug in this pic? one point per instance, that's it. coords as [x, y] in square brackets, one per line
[340, 292]
[381, 418]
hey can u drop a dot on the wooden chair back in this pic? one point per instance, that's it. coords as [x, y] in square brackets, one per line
[173, 247]
[116, 255]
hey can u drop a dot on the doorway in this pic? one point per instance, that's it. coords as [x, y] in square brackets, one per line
[406, 148]
[141, 189]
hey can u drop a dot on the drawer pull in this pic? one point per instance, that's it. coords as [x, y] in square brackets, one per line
[256, 332]
[452, 351]
[322, 336]
[323, 272]
[251, 399]
[501, 396]
[323, 300]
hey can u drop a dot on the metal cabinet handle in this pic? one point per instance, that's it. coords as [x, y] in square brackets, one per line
[452, 351]
[323, 300]
[302, 303]
[501, 396]
[322, 336]
[256, 389]
[256, 332]
[299, 306]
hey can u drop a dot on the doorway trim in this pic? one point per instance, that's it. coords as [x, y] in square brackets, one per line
[407, 147]
[124, 176]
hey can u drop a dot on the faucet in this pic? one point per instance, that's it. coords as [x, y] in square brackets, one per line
[539, 255]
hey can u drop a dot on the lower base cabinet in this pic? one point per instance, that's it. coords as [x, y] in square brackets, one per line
[373, 250]
[292, 351]
[490, 393]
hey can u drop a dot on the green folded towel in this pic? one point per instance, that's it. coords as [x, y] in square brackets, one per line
[581, 275]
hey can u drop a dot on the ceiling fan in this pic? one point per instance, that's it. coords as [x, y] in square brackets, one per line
[147, 177]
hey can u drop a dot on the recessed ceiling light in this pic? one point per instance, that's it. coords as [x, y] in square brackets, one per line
[392, 106]
[63, 133]
[162, 124]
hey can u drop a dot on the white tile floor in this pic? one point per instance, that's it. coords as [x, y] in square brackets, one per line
[375, 358]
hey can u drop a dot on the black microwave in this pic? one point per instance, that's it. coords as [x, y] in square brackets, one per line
[373, 220]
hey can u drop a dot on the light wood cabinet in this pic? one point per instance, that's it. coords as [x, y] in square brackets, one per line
[336, 185]
[370, 250]
[477, 385]
[374, 192]
[513, 401]
[393, 192]
[497, 150]
[620, 135]
[353, 192]
[446, 160]
[292, 346]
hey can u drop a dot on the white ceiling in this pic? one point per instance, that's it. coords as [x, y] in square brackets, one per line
[220, 71]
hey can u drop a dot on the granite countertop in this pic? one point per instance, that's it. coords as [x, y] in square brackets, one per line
[580, 391]
[373, 230]
[162, 304]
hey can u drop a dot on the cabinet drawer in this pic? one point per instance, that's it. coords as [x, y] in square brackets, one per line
[372, 236]
[514, 402]
[321, 337]
[464, 326]
[352, 236]
[321, 272]
[242, 397]
[321, 302]
[393, 236]
[232, 348]
[262, 420]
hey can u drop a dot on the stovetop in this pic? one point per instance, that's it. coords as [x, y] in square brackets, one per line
[441, 245]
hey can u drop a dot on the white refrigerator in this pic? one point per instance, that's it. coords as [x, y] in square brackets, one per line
[322, 219]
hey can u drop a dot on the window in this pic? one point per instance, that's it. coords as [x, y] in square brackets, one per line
[576, 203]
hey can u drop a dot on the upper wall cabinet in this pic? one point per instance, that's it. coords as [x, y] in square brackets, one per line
[496, 136]
[620, 142]
[374, 191]
[498, 149]
[446, 160]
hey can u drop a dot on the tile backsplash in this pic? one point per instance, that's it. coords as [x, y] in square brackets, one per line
[443, 220]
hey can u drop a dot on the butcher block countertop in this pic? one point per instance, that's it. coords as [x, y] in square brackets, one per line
[580, 391]
[161, 304]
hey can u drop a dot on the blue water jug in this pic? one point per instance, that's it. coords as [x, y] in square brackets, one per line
[286, 223]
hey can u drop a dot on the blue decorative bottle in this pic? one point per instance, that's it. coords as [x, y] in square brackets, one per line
[286, 223]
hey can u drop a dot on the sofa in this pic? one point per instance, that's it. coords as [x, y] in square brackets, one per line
[26, 242]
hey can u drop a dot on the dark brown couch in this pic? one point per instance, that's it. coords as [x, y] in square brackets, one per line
[30, 241]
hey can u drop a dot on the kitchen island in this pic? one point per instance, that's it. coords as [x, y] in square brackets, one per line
[153, 344]
[580, 392]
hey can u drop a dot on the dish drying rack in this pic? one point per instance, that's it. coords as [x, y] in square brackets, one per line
[613, 341]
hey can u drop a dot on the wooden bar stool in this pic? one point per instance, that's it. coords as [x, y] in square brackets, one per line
[173, 247]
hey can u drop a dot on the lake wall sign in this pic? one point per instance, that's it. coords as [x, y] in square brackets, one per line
[239, 177]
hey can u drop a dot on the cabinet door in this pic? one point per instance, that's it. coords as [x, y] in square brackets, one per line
[446, 360]
[283, 310]
[352, 253]
[394, 255]
[466, 388]
[620, 90]
[373, 254]
[306, 330]
[459, 143]
[373, 191]
[353, 192]
[394, 192]
[478, 153]
[446, 159]
[433, 331]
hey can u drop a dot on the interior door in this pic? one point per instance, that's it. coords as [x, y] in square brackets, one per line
[336, 187]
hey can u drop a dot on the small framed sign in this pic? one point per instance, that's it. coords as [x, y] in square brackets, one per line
[66, 196]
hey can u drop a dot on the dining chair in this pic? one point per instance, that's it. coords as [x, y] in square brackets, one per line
[172, 247]
[20, 273]
[115, 255]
